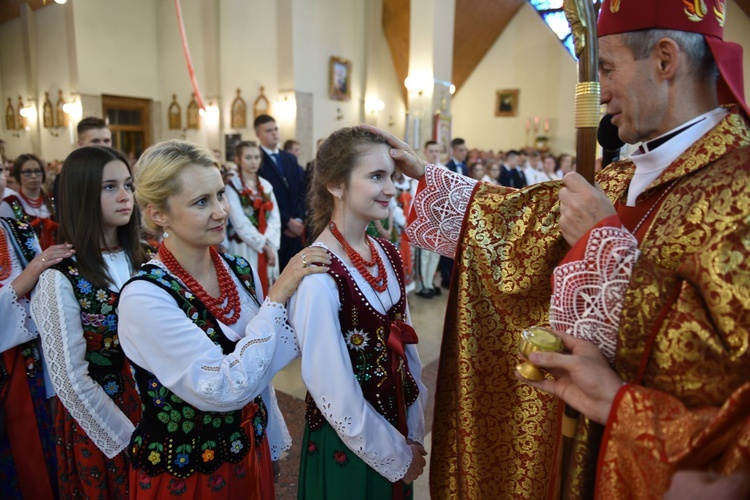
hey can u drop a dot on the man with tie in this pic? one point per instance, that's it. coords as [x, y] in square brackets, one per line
[459, 152]
[511, 173]
[287, 178]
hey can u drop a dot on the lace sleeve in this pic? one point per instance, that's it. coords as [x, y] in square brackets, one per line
[588, 294]
[57, 315]
[314, 316]
[279, 439]
[415, 413]
[440, 209]
[14, 328]
[187, 362]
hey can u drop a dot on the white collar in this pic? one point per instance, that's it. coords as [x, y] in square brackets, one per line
[649, 165]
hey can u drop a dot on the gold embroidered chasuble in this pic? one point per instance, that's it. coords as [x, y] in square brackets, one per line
[682, 342]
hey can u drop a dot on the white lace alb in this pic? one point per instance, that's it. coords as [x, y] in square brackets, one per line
[588, 294]
[440, 209]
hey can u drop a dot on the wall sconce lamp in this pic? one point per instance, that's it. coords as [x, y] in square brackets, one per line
[211, 113]
[73, 109]
[374, 105]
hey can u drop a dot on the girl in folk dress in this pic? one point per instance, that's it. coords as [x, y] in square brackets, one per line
[203, 342]
[32, 205]
[365, 414]
[27, 445]
[255, 229]
[74, 308]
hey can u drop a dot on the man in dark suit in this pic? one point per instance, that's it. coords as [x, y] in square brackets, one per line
[287, 178]
[511, 174]
[459, 152]
[457, 163]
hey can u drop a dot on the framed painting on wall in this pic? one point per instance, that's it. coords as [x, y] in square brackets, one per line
[340, 77]
[506, 102]
[441, 133]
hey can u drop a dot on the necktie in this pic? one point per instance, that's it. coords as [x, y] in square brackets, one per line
[277, 165]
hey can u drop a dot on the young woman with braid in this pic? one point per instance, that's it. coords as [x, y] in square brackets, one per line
[365, 408]
[74, 309]
[255, 230]
[203, 340]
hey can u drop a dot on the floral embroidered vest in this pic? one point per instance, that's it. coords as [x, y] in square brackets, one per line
[45, 228]
[24, 240]
[107, 364]
[174, 436]
[366, 333]
[255, 206]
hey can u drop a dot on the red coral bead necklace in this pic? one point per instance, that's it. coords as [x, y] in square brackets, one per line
[379, 283]
[228, 314]
[5, 263]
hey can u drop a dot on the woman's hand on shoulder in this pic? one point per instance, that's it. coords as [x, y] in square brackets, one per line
[311, 260]
[26, 281]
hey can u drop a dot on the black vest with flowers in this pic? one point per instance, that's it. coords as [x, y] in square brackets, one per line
[174, 436]
[365, 332]
[107, 364]
[23, 239]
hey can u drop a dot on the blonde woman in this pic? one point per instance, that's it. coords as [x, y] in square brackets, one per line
[203, 340]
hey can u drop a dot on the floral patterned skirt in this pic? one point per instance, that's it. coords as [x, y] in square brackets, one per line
[250, 479]
[27, 446]
[84, 471]
[329, 470]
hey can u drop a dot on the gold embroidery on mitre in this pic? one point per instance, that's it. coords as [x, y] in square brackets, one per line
[719, 12]
[695, 10]
[614, 6]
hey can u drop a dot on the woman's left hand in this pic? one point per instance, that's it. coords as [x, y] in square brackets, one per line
[26, 281]
[583, 378]
[311, 260]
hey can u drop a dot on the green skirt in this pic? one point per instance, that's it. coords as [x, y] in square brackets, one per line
[329, 470]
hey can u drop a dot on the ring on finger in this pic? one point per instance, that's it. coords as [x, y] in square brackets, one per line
[304, 260]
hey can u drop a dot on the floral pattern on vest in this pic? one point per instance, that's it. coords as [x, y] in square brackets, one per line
[366, 333]
[45, 228]
[174, 436]
[99, 321]
[23, 238]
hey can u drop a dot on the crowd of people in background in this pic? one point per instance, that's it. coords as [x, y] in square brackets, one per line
[145, 325]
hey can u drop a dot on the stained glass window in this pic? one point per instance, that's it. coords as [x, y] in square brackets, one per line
[554, 15]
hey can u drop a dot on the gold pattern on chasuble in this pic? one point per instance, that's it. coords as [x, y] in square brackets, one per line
[694, 264]
[690, 290]
[494, 437]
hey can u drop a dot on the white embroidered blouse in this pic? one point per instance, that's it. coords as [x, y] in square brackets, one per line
[329, 376]
[58, 317]
[157, 336]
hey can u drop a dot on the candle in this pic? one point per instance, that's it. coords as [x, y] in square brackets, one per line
[536, 123]
[528, 124]
[546, 124]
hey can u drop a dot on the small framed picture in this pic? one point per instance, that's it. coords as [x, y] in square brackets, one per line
[340, 76]
[506, 102]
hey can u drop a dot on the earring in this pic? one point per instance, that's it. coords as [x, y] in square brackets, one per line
[165, 234]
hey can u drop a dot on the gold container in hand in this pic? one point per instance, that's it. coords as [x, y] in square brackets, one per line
[533, 339]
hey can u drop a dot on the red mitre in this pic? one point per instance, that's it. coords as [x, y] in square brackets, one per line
[695, 16]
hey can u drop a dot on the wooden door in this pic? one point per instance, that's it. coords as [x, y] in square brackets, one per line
[129, 119]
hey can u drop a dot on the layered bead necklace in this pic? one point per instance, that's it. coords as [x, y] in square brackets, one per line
[5, 264]
[227, 314]
[33, 202]
[379, 283]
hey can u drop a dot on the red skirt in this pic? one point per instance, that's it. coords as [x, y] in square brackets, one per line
[84, 471]
[252, 478]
